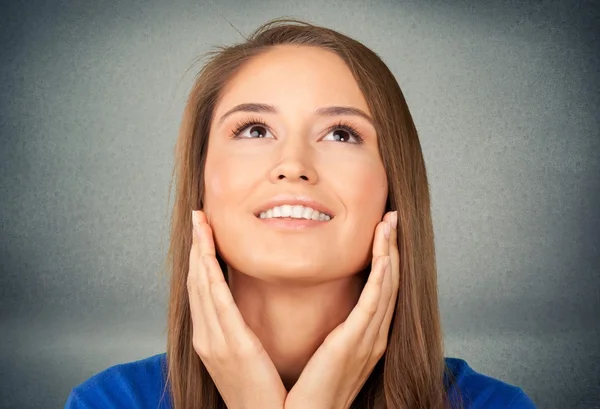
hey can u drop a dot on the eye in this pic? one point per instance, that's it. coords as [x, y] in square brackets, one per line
[253, 129]
[343, 133]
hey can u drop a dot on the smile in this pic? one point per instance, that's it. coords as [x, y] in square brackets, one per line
[294, 212]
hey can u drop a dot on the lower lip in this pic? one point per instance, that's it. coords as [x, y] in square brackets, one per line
[292, 224]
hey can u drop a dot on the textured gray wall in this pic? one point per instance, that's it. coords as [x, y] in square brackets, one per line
[506, 100]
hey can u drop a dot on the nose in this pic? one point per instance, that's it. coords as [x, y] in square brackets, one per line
[296, 163]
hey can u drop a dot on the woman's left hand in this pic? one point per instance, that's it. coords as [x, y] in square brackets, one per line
[339, 368]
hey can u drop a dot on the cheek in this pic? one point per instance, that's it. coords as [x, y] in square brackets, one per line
[225, 182]
[226, 185]
[218, 189]
[215, 184]
[363, 189]
[373, 192]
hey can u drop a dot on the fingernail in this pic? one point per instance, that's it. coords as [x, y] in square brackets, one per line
[386, 230]
[394, 219]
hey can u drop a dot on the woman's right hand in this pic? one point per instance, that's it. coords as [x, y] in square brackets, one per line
[238, 364]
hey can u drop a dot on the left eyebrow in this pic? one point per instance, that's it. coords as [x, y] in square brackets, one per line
[336, 111]
[270, 109]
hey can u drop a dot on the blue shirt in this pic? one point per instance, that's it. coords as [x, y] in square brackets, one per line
[140, 385]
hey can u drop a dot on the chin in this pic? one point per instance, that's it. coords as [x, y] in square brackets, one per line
[296, 269]
[296, 259]
[282, 267]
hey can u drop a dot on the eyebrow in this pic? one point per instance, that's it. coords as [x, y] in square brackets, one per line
[270, 109]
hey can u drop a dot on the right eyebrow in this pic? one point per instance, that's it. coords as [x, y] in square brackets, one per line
[252, 107]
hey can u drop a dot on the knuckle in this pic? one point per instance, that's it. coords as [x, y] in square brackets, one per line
[246, 347]
[200, 348]
[379, 348]
[191, 282]
[221, 354]
[363, 353]
[222, 306]
[371, 308]
[203, 260]
[240, 349]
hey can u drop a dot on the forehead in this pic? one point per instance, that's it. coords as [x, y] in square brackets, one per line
[294, 77]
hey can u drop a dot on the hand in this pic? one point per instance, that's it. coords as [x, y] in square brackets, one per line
[339, 368]
[235, 358]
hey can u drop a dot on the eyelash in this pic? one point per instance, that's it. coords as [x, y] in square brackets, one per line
[242, 125]
[343, 125]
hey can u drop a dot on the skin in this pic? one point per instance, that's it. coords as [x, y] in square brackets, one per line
[292, 294]
[239, 365]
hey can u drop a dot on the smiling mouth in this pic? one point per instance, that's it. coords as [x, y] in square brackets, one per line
[294, 212]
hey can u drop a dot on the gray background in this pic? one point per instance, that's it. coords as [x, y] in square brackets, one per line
[506, 100]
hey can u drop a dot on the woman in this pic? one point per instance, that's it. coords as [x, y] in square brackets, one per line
[309, 277]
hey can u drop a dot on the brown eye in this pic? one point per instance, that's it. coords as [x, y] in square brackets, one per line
[343, 133]
[258, 131]
[252, 131]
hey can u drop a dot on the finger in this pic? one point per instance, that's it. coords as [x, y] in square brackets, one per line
[374, 326]
[368, 303]
[195, 290]
[198, 322]
[207, 244]
[208, 253]
[201, 216]
[381, 246]
[230, 318]
[221, 312]
[395, 273]
[206, 314]
[392, 219]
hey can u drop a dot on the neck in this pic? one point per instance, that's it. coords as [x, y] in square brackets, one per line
[292, 321]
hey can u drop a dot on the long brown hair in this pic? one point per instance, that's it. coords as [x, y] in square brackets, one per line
[410, 374]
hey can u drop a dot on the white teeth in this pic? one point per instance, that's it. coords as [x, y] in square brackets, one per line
[294, 212]
[297, 212]
[286, 211]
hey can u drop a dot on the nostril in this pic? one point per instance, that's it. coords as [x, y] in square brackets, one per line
[303, 177]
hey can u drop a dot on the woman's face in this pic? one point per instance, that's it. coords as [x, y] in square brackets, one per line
[292, 109]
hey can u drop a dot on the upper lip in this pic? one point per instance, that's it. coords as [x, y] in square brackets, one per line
[294, 200]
